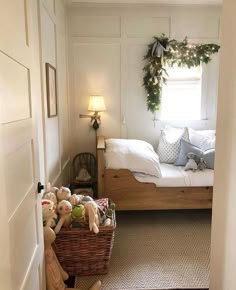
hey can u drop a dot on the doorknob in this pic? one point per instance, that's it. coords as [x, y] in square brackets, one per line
[40, 187]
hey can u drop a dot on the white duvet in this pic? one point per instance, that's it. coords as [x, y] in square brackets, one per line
[135, 155]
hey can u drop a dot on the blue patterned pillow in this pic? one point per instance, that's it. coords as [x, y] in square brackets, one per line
[186, 147]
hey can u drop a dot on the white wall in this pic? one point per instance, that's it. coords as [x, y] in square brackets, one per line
[56, 129]
[107, 45]
[223, 257]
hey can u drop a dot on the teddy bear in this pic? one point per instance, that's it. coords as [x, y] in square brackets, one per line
[92, 212]
[64, 209]
[51, 196]
[191, 164]
[55, 275]
[63, 193]
[49, 214]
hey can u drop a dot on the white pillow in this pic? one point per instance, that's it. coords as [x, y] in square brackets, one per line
[135, 155]
[169, 144]
[204, 139]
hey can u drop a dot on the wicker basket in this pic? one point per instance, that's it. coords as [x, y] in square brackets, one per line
[81, 252]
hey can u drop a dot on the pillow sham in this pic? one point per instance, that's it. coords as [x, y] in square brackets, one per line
[135, 155]
[186, 147]
[204, 139]
[169, 143]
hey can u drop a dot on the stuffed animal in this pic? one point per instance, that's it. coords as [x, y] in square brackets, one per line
[75, 199]
[109, 211]
[63, 193]
[64, 209]
[51, 196]
[92, 212]
[107, 222]
[83, 175]
[55, 275]
[202, 164]
[78, 212]
[85, 198]
[54, 189]
[49, 214]
[191, 164]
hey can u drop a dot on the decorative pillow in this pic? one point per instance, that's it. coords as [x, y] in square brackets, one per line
[204, 139]
[135, 155]
[103, 203]
[169, 143]
[186, 147]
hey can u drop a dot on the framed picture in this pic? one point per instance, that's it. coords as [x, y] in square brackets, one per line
[51, 90]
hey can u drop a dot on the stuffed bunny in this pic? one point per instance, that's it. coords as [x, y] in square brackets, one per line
[51, 196]
[75, 199]
[92, 212]
[49, 214]
[191, 164]
[64, 209]
[55, 275]
[63, 193]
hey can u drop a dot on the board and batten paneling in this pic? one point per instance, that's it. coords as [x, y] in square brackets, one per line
[51, 124]
[138, 24]
[56, 129]
[136, 27]
[106, 26]
[89, 60]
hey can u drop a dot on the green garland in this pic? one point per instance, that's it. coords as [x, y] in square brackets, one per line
[163, 53]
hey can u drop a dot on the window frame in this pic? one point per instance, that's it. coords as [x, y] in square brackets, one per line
[204, 92]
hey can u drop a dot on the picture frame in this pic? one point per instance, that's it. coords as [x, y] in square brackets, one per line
[51, 90]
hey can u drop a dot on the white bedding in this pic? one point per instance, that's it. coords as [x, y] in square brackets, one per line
[175, 176]
[135, 155]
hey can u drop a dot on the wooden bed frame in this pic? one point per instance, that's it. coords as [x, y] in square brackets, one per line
[129, 194]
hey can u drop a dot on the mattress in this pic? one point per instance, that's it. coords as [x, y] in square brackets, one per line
[175, 176]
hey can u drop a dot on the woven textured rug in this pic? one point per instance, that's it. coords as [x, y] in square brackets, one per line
[158, 250]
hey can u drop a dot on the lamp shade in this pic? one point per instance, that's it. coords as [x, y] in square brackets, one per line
[96, 104]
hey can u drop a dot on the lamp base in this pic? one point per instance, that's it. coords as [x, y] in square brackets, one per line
[95, 124]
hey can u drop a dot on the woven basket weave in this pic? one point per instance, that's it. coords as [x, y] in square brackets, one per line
[81, 252]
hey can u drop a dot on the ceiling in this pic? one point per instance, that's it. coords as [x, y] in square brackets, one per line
[207, 2]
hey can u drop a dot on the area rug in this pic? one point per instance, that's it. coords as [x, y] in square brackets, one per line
[158, 250]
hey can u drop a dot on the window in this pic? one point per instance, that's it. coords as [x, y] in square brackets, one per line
[182, 94]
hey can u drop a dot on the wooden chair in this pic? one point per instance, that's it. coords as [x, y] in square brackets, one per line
[87, 161]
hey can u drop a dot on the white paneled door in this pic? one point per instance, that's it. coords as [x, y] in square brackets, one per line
[21, 239]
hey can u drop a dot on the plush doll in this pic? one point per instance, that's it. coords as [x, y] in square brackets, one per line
[109, 211]
[107, 222]
[63, 193]
[50, 188]
[55, 275]
[51, 196]
[85, 198]
[75, 199]
[83, 175]
[92, 212]
[191, 164]
[78, 212]
[64, 209]
[202, 164]
[49, 214]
